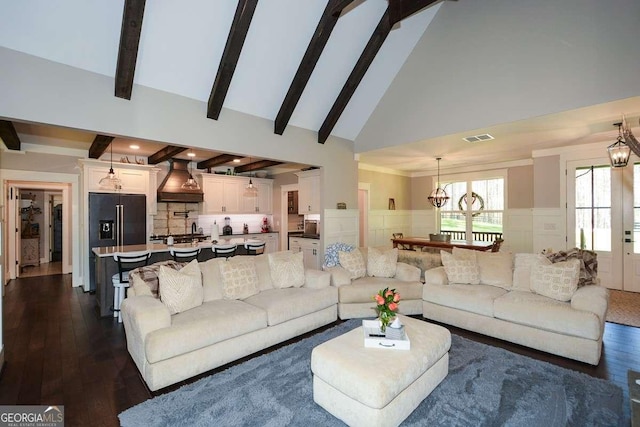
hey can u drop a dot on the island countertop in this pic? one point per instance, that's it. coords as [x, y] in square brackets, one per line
[108, 251]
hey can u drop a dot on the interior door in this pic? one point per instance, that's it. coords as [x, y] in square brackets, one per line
[603, 215]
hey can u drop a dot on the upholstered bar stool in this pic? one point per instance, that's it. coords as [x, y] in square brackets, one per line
[184, 254]
[126, 261]
[225, 251]
[255, 247]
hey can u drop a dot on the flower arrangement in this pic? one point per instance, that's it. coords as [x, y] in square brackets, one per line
[387, 301]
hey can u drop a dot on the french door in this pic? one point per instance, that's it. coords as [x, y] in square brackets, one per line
[603, 215]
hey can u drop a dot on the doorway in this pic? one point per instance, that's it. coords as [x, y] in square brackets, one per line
[603, 215]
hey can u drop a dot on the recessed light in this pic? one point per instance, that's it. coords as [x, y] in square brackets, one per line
[191, 154]
[134, 146]
[236, 160]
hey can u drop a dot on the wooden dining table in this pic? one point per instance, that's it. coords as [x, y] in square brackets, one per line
[426, 242]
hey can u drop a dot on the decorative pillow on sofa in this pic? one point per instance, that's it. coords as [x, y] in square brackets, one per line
[462, 271]
[287, 269]
[496, 268]
[354, 262]
[331, 253]
[382, 264]
[239, 278]
[558, 281]
[465, 254]
[588, 264]
[523, 264]
[144, 280]
[181, 289]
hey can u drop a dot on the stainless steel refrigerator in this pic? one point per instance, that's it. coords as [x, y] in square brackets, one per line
[115, 220]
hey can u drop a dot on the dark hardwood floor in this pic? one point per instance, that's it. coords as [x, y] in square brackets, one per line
[59, 351]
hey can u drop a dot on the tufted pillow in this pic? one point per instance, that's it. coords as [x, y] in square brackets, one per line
[287, 269]
[382, 264]
[354, 262]
[523, 264]
[181, 289]
[558, 281]
[239, 278]
[461, 271]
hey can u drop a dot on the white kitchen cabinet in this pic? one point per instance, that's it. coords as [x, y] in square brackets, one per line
[263, 203]
[133, 180]
[310, 249]
[225, 194]
[309, 192]
[270, 239]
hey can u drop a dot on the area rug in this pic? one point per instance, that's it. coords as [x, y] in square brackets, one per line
[486, 386]
[624, 308]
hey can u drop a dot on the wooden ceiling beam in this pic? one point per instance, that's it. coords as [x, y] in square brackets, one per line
[99, 146]
[309, 60]
[165, 153]
[128, 50]
[260, 164]
[217, 161]
[9, 135]
[230, 56]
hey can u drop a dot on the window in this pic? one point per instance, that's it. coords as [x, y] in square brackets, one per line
[476, 208]
[593, 208]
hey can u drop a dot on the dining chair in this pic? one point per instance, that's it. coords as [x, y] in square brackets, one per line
[401, 245]
[126, 261]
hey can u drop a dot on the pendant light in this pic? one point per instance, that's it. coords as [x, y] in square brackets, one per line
[190, 183]
[111, 181]
[619, 151]
[250, 190]
[438, 197]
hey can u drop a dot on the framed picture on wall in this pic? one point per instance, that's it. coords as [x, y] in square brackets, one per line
[392, 204]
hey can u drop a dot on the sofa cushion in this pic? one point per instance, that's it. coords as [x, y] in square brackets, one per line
[239, 278]
[363, 289]
[558, 281]
[212, 279]
[523, 264]
[264, 272]
[354, 262]
[317, 279]
[382, 263]
[340, 276]
[462, 271]
[181, 290]
[540, 312]
[207, 324]
[282, 305]
[496, 268]
[287, 269]
[472, 298]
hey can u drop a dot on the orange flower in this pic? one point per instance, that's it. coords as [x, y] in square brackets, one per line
[388, 293]
[396, 298]
[379, 299]
[393, 306]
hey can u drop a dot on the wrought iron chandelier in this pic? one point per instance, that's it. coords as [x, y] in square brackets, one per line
[438, 197]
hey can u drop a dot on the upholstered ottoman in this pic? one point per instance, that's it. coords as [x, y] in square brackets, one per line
[379, 387]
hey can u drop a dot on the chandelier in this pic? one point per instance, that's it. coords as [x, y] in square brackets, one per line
[619, 151]
[438, 197]
[111, 181]
[190, 183]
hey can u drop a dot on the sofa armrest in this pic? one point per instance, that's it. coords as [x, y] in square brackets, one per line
[593, 298]
[316, 279]
[436, 276]
[144, 314]
[340, 276]
[407, 273]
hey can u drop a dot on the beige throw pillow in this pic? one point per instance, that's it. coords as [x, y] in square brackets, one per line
[382, 264]
[523, 264]
[287, 269]
[496, 268]
[354, 262]
[558, 281]
[239, 278]
[181, 290]
[461, 271]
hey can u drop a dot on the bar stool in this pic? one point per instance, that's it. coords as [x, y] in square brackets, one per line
[225, 251]
[127, 261]
[184, 254]
[255, 247]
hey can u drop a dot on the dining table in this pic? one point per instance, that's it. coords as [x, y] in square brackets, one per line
[421, 242]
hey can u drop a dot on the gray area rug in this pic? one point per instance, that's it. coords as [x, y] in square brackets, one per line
[486, 386]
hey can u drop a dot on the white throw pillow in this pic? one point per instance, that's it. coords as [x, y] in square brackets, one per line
[239, 278]
[181, 290]
[496, 268]
[287, 269]
[465, 254]
[462, 271]
[382, 264]
[212, 279]
[354, 262]
[558, 281]
[523, 264]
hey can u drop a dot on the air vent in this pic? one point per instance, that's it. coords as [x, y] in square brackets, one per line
[479, 138]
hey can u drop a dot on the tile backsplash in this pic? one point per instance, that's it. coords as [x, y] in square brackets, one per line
[166, 222]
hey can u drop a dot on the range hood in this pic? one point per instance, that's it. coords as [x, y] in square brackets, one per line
[171, 188]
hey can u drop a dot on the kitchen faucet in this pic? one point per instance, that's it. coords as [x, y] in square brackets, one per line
[193, 228]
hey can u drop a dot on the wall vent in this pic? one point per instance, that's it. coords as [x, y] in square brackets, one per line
[478, 138]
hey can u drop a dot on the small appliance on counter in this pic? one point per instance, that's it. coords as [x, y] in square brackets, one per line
[227, 230]
[311, 229]
[265, 225]
[245, 229]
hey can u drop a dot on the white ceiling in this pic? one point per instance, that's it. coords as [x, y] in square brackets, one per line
[182, 42]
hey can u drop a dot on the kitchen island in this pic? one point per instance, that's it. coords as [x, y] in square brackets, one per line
[106, 267]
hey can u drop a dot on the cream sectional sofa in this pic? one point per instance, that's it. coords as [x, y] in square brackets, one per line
[229, 323]
[522, 308]
[358, 283]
